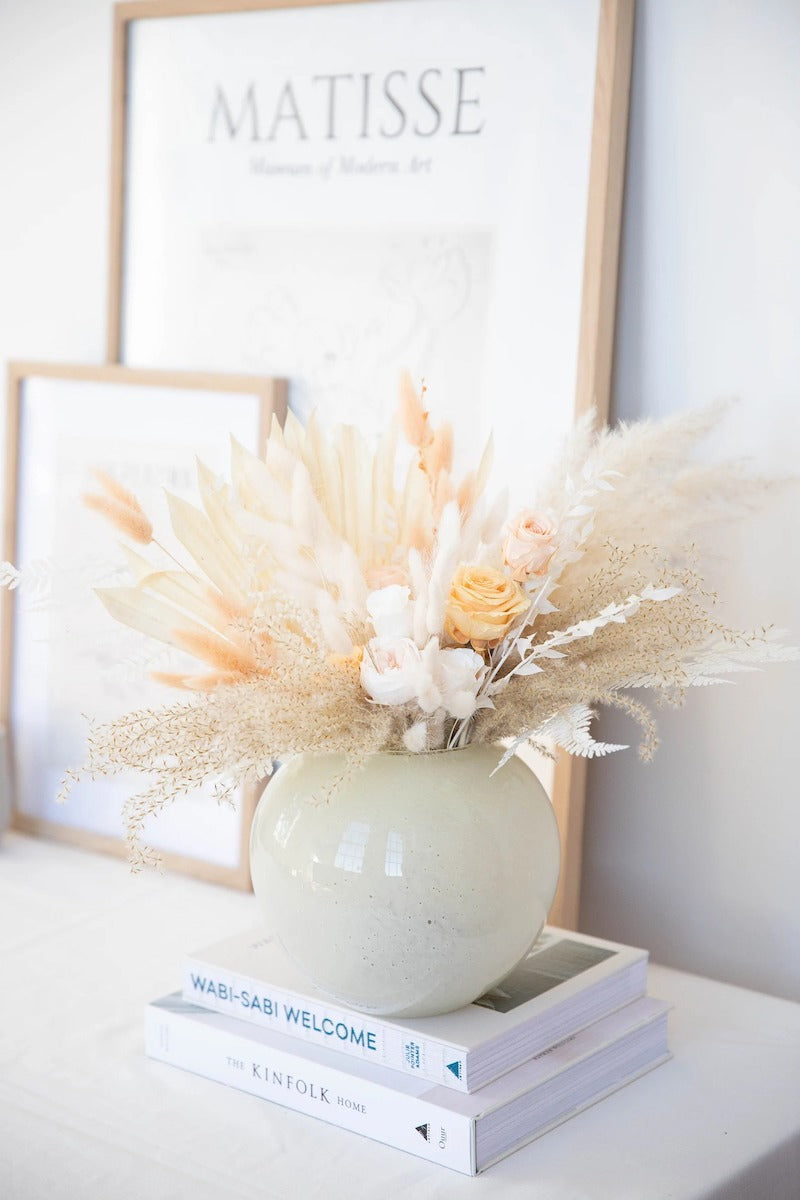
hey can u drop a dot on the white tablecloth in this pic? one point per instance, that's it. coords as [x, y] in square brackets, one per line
[85, 1116]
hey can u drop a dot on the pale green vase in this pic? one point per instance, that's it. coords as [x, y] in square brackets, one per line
[413, 886]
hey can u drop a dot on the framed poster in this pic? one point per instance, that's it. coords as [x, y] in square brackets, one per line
[333, 192]
[64, 658]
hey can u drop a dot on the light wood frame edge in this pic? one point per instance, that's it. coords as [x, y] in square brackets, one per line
[9, 545]
[595, 356]
[273, 399]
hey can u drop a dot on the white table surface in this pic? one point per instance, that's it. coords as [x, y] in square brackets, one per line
[85, 1116]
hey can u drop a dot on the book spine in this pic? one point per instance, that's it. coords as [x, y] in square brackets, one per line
[405, 1122]
[365, 1037]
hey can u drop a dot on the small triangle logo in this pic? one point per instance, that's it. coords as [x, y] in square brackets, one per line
[455, 1067]
[425, 1130]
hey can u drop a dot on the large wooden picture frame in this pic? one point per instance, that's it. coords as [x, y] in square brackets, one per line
[61, 657]
[505, 218]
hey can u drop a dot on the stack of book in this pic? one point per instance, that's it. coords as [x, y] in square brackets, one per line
[568, 1026]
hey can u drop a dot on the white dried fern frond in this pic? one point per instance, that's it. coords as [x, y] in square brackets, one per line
[568, 729]
[34, 579]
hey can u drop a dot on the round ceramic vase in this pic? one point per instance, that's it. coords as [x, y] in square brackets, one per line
[408, 886]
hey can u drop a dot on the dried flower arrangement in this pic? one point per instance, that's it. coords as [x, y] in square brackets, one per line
[345, 599]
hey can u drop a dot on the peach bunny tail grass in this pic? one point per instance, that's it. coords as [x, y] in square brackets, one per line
[437, 457]
[115, 489]
[133, 522]
[217, 652]
[120, 507]
[414, 419]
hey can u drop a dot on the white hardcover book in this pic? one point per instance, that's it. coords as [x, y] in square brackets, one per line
[465, 1132]
[567, 981]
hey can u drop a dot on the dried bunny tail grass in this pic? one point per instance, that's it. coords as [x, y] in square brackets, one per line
[437, 456]
[216, 651]
[473, 484]
[115, 489]
[132, 522]
[121, 507]
[443, 492]
[467, 493]
[414, 420]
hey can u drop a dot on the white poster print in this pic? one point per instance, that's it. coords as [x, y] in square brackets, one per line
[339, 192]
[96, 666]
[417, 298]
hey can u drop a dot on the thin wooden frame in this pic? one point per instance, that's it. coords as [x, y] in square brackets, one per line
[601, 252]
[595, 357]
[270, 395]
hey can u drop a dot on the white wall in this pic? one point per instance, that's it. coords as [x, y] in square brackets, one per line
[55, 97]
[695, 856]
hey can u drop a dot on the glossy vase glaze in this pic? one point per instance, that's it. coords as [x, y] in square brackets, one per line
[417, 885]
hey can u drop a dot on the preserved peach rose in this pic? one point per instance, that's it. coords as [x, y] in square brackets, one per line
[529, 547]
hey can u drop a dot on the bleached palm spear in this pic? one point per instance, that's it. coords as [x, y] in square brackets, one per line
[317, 519]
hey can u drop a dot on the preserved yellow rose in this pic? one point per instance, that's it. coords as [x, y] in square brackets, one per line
[482, 606]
